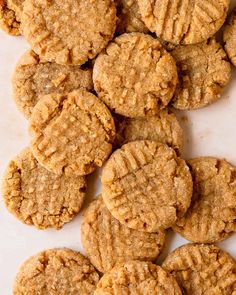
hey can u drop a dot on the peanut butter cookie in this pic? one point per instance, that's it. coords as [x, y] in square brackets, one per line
[71, 133]
[34, 77]
[137, 277]
[202, 270]
[56, 271]
[212, 215]
[229, 37]
[203, 72]
[163, 128]
[146, 186]
[38, 197]
[135, 76]
[184, 22]
[68, 32]
[107, 241]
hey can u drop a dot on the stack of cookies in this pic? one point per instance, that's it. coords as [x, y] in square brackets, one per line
[96, 87]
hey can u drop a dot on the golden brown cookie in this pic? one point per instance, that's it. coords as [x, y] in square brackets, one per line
[34, 77]
[184, 22]
[229, 37]
[203, 73]
[146, 186]
[164, 128]
[38, 197]
[107, 241]
[212, 215]
[10, 16]
[71, 133]
[137, 277]
[135, 76]
[129, 17]
[56, 272]
[68, 32]
[202, 270]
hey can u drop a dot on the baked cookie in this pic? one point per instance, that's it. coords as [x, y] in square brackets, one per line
[34, 77]
[135, 76]
[129, 17]
[107, 241]
[229, 37]
[203, 72]
[184, 22]
[56, 271]
[164, 128]
[10, 16]
[38, 197]
[212, 215]
[71, 133]
[137, 277]
[202, 270]
[68, 32]
[146, 186]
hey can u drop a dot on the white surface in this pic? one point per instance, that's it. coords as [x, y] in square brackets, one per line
[210, 131]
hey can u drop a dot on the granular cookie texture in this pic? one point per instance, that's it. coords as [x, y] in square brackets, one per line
[71, 133]
[56, 271]
[129, 17]
[184, 22]
[212, 215]
[107, 241]
[202, 270]
[229, 37]
[146, 186]
[34, 77]
[68, 32]
[137, 277]
[10, 16]
[203, 72]
[135, 76]
[163, 128]
[38, 197]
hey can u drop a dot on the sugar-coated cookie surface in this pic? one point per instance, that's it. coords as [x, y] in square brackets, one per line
[229, 37]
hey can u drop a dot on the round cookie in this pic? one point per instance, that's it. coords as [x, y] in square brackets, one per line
[107, 241]
[203, 73]
[229, 37]
[135, 76]
[164, 128]
[56, 271]
[146, 186]
[34, 77]
[129, 17]
[211, 216]
[184, 22]
[38, 197]
[202, 269]
[71, 133]
[137, 277]
[68, 32]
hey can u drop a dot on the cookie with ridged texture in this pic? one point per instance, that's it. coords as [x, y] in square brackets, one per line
[146, 186]
[202, 270]
[137, 277]
[34, 77]
[107, 241]
[203, 73]
[184, 21]
[212, 215]
[135, 76]
[129, 17]
[56, 271]
[71, 133]
[10, 16]
[38, 197]
[163, 128]
[68, 32]
[229, 37]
